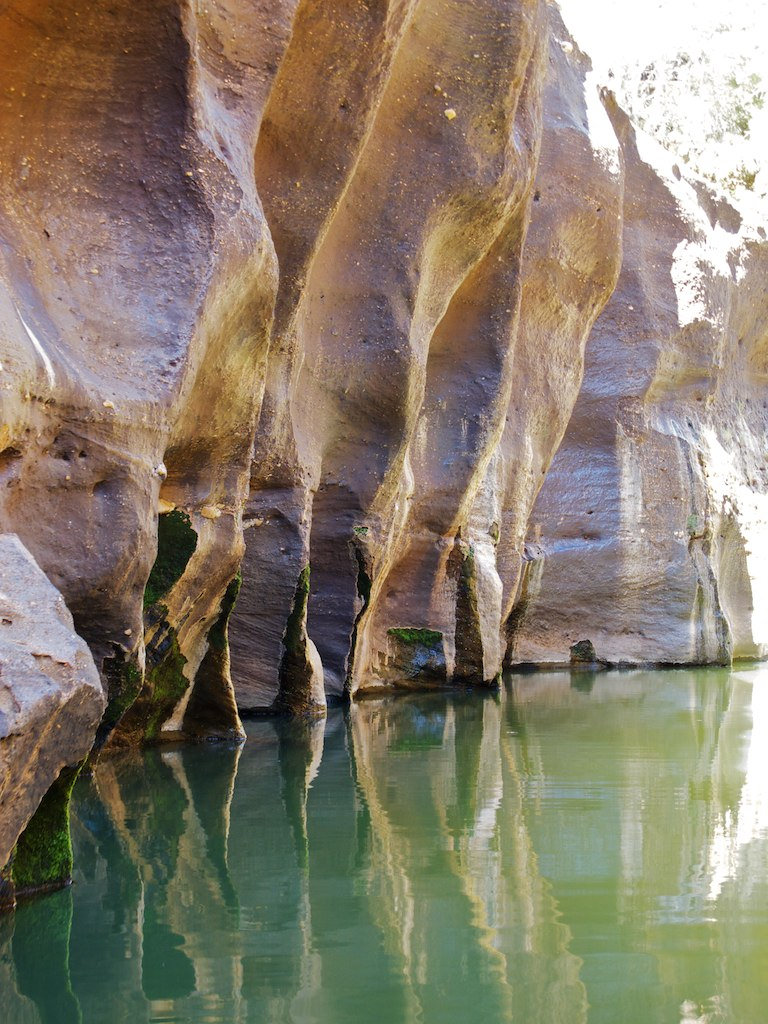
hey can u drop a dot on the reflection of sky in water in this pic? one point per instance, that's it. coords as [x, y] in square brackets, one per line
[737, 827]
[565, 853]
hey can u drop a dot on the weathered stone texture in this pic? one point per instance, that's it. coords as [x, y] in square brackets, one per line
[51, 701]
[138, 282]
[650, 534]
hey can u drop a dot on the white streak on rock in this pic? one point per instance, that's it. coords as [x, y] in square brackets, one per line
[38, 348]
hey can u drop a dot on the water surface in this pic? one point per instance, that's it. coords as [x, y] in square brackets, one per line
[576, 849]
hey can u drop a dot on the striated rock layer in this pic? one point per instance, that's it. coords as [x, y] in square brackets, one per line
[295, 302]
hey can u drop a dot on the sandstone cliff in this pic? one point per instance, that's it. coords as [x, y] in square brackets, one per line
[421, 378]
[650, 534]
[295, 302]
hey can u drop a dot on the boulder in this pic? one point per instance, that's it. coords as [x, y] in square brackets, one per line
[51, 702]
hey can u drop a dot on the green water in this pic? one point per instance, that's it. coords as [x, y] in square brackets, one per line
[586, 848]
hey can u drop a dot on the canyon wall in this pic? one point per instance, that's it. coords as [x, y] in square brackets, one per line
[138, 282]
[650, 533]
[399, 517]
[361, 346]
[426, 353]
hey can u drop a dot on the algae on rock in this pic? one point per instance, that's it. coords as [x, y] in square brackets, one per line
[42, 859]
[176, 543]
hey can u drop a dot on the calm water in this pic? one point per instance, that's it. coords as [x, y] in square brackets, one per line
[587, 849]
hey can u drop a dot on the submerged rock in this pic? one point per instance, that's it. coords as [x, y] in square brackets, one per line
[51, 702]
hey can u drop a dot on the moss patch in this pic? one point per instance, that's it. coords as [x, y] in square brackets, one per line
[123, 687]
[413, 636]
[165, 685]
[176, 543]
[583, 652]
[43, 855]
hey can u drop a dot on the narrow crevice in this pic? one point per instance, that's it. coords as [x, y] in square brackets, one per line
[212, 711]
[519, 611]
[363, 585]
[165, 683]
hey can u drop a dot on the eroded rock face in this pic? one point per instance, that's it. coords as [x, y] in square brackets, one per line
[315, 282]
[138, 281]
[649, 536]
[51, 702]
[427, 349]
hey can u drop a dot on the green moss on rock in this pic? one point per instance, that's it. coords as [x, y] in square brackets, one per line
[412, 635]
[124, 683]
[43, 855]
[176, 543]
[165, 684]
[583, 653]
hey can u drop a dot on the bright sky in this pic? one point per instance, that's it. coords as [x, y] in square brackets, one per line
[617, 32]
[693, 108]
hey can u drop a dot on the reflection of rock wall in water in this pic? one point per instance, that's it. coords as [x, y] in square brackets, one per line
[456, 773]
[328, 869]
[661, 828]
